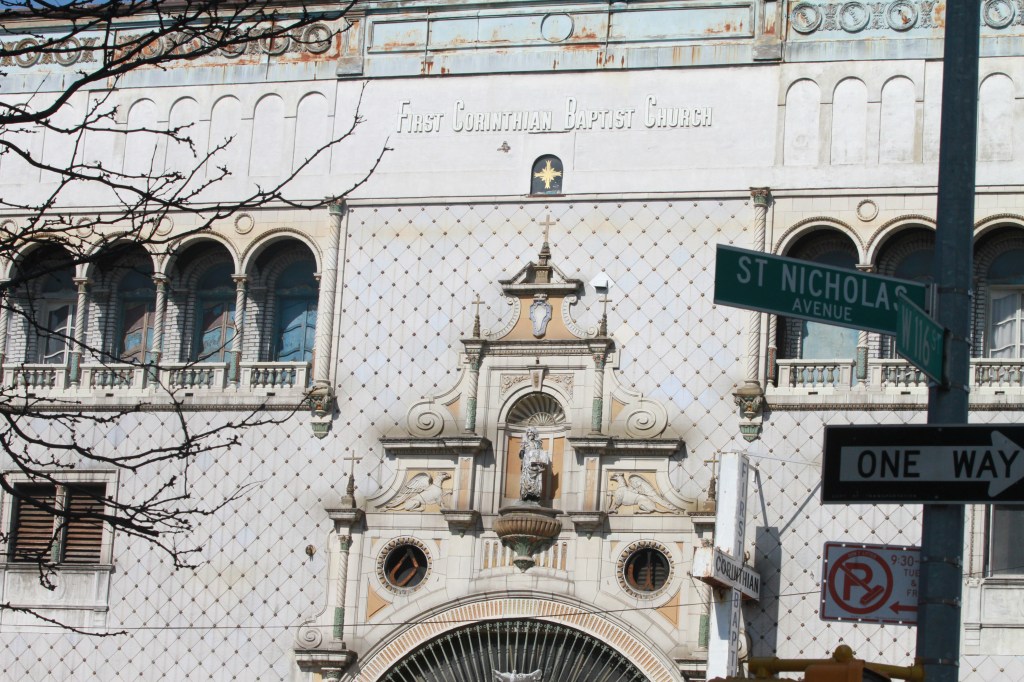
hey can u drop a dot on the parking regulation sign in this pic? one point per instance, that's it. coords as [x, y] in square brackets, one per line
[870, 583]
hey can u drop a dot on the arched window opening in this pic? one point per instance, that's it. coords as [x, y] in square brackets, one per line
[546, 176]
[295, 329]
[816, 340]
[136, 316]
[1005, 332]
[909, 255]
[49, 300]
[215, 315]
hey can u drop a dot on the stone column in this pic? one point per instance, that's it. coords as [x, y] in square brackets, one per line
[325, 304]
[159, 307]
[750, 397]
[235, 366]
[597, 410]
[861, 374]
[344, 544]
[5, 317]
[762, 197]
[773, 351]
[75, 357]
[471, 391]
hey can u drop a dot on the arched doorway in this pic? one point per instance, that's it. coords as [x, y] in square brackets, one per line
[515, 650]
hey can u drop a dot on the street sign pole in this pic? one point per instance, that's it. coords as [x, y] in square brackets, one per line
[942, 532]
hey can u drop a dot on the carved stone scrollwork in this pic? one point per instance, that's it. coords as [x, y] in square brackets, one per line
[310, 635]
[510, 380]
[645, 419]
[570, 324]
[425, 419]
[516, 306]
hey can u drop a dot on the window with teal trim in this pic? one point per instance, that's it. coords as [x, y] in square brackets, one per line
[215, 315]
[137, 302]
[295, 329]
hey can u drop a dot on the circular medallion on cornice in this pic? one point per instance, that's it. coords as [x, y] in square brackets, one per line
[998, 13]
[644, 569]
[867, 210]
[901, 15]
[556, 27]
[805, 18]
[84, 228]
[854, 16]
[317, 38]
[164, 226]
[403, 565]
[244, 223]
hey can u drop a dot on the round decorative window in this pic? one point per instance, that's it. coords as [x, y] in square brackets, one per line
[645, 569]
[403, 565]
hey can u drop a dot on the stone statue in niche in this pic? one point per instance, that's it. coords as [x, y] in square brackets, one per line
[534, 461]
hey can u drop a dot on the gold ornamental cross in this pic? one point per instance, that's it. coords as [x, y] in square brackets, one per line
[547, 174]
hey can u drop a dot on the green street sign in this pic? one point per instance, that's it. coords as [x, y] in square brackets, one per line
[920, 340]
[811, 291]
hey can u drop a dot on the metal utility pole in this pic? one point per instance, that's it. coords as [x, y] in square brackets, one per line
[942, 533]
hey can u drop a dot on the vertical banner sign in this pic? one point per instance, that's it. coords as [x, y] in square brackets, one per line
[730, 529]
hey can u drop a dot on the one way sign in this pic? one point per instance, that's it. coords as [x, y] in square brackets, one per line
[939, 464]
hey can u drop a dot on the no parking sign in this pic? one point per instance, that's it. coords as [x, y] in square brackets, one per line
[870, 583]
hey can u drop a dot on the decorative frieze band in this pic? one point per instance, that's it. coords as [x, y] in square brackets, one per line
[853, 17]
[27, 52]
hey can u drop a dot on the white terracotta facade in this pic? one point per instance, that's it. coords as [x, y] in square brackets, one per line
[770, 126]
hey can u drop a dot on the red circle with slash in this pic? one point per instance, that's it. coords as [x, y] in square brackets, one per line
[860, 581]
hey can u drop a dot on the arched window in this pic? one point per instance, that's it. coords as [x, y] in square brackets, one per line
[909, 255]
[136, 306]
[546, 176]
[295, 329]
[818, 340]
[215, 315]
[1005, 332]
[55, 322]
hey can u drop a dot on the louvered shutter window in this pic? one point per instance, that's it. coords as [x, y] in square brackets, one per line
[83, 539]
[38, 535]
[32, 537]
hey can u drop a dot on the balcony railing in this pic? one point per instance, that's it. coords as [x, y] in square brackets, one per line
[275, 375]
[192, 378]
[894, 377]
[814, 375]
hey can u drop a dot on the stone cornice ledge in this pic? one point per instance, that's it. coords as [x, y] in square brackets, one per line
[461, 446]
[611, 445]
[330, 661]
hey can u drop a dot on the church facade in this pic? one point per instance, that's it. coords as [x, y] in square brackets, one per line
[525, 280]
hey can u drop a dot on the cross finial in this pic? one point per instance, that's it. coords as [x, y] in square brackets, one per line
[350, 489]
[476, 317]
[548, 223]
[545, 249]
[604, 315]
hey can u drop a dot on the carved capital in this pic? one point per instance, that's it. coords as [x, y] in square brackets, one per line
[750, 399]
[762, 196]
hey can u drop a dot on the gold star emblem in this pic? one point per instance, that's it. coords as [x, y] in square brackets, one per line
[547, 175]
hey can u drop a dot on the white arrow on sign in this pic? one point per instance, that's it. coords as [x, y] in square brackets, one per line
[1001, 465]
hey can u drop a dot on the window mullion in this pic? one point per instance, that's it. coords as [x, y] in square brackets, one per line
[60, 525]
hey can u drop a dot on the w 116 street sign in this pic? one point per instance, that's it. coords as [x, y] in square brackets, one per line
[938, 464]
[811, 291]
[921, 340]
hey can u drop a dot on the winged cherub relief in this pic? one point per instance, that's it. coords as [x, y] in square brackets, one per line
[636, 491]
[425, 489]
